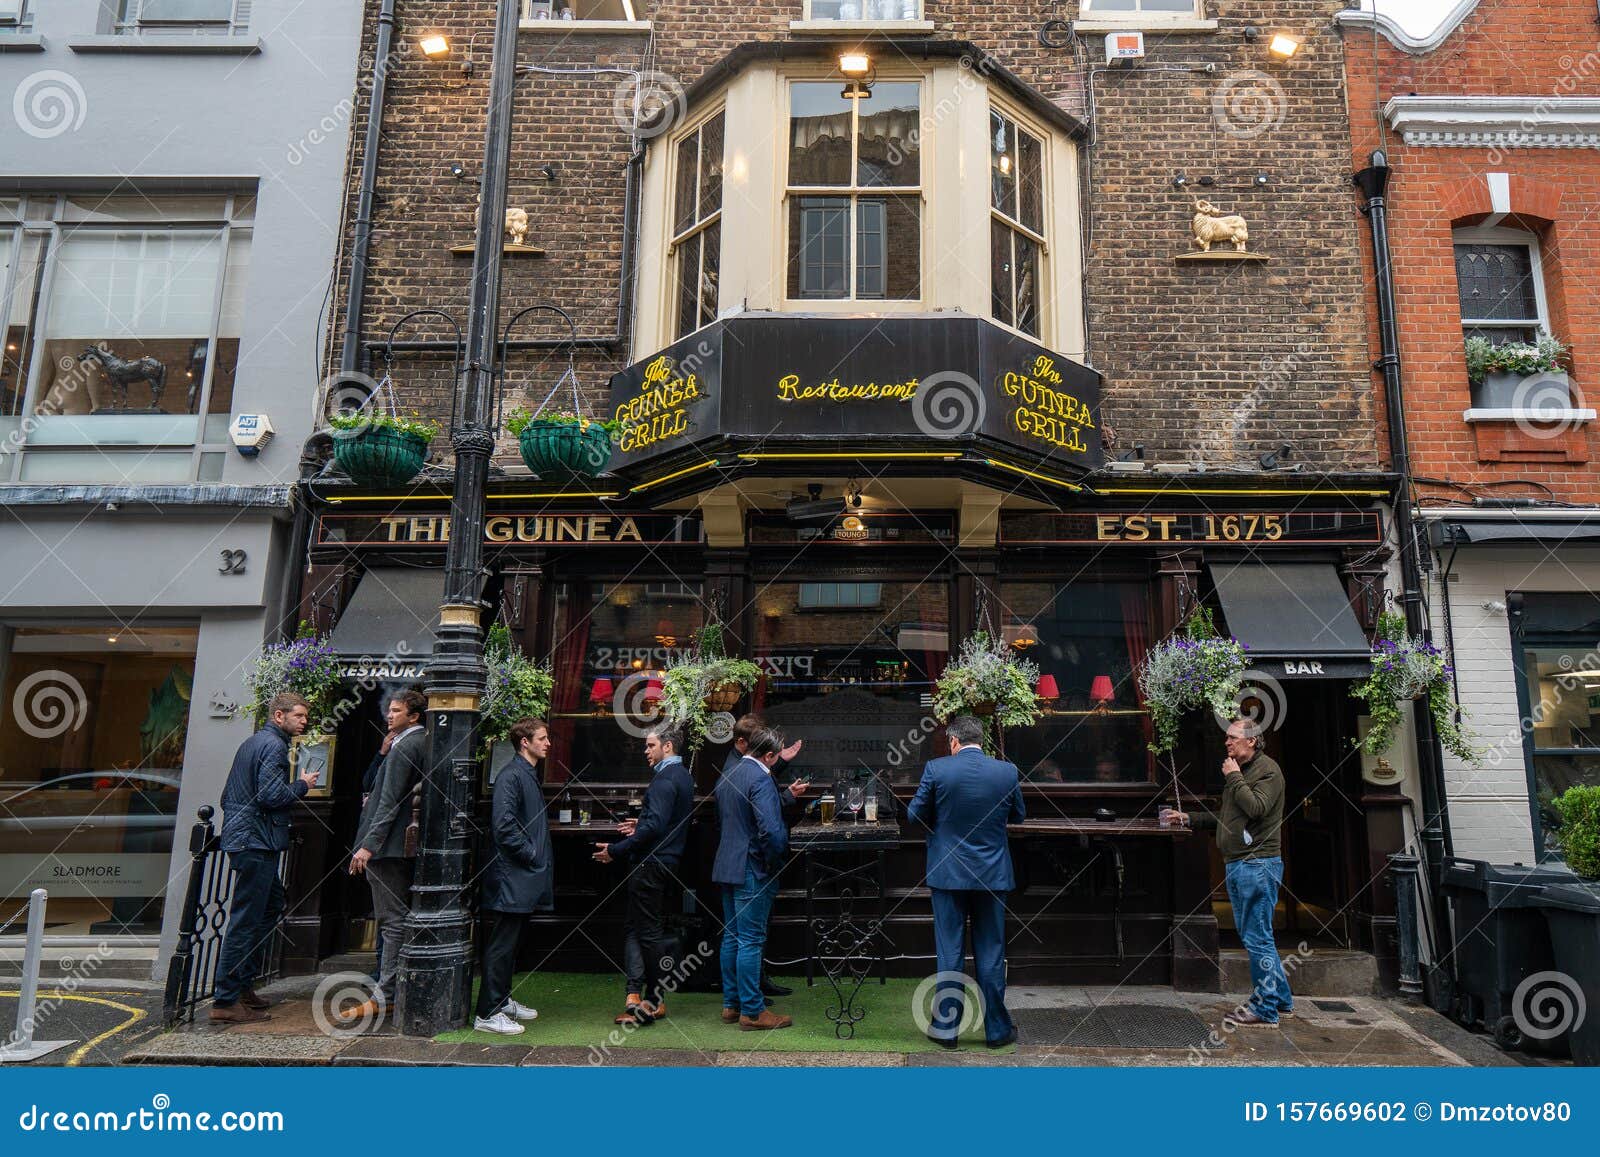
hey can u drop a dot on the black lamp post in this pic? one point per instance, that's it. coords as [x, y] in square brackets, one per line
[435, 966]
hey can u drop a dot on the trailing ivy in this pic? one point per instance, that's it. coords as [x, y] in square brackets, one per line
[1406, 668]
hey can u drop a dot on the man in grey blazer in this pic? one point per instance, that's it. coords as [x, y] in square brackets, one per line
[381, 842]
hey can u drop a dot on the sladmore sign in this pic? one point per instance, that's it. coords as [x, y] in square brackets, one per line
[939, 382]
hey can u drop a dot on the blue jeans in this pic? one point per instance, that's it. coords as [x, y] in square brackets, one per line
[745, 908]
[1253, 891]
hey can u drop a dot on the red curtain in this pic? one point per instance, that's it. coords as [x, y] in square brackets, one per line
[572, 687]
[1136, 633]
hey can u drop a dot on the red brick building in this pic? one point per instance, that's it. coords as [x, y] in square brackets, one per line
[1491, 124]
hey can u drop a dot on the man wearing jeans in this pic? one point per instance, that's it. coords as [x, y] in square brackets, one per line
[1248, 824]
[749, 854]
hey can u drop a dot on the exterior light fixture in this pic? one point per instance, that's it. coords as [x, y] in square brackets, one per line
[1283, 46]
[434, 46]
[856, 67]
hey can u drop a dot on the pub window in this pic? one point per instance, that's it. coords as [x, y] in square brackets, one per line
[1090, 637]
[1498, 278]
[1016, 227]
[606, 634]
[697, 224]
[146, 16]
[94, 736]
[875, 11]
[124, 316]
[854, 192]
[1560, 694]
[867, 669]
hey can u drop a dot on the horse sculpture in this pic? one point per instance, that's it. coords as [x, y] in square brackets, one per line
[121, 374]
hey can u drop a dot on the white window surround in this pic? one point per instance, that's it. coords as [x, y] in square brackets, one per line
[1499, 235]
[555, 26]
[1533, 417]
[956, 209]
[1506, 122]
[1091, 19]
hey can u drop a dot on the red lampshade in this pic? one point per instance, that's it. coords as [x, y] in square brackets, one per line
[1047, 688]
[601, 691]
[1101, 690]
[652, 689]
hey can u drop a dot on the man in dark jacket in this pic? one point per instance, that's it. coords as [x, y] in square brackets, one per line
[256, 802]
[1248, 824]
[966, 800]
[750, 852]
[518, 877]
[655, 843]
[381, 842]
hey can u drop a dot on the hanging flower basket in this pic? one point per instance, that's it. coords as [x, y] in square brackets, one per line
[562, 445]
[1195, 669]
[378, 450]
[988, 680]
[1406, 669]
[724, 695]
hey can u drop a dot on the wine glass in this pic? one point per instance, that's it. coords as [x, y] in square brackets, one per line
[854, 800]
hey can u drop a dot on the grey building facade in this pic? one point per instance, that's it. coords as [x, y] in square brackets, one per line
[171, 187]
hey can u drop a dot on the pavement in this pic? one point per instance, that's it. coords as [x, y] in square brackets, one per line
[101, 1023]
[1353, 1031]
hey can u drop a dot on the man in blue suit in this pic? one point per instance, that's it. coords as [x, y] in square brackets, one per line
[750, 852]
[966, 800]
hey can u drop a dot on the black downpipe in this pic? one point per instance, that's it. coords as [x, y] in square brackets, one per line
[1373, 182]
[319, 446]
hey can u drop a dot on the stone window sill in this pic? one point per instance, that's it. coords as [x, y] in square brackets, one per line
[1136, 23]
[21, 42]
[169, 45]
[1535, 417]
[824, 27]
[553, 27]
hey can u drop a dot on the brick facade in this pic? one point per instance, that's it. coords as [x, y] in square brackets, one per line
[1220, 362]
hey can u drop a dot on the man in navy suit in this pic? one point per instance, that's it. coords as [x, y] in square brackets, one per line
[750, 852]
[966, 800]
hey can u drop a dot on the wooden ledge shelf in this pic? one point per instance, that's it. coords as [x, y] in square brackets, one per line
[508, 249]
[1222, 256]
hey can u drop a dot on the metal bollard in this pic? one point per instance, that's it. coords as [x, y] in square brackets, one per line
[22, 1046]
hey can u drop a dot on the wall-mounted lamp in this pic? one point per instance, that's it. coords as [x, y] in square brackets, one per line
[548, 172]
[857, 68]
[436, 46]
[1179, 179]
[1283, 46]
[1276, 458]
[1262, 180]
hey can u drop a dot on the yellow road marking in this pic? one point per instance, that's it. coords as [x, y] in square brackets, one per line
[134, 1017]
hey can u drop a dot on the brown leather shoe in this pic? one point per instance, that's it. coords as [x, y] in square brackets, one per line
[253, 999]
[236, 1014]
[730, 1016]
[366, 1009]
[767, 1020]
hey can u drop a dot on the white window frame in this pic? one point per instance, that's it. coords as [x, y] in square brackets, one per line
[1092, 19]
[47, 215]
[1500, 235]
[554, 25]
[852, 192]
[677, 240]
[18, 23]
[1043, 305]
[130, 20]
[813, 21]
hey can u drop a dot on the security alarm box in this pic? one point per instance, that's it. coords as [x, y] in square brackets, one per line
[1124, 46]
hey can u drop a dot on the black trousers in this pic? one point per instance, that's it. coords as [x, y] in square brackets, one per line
[253, 914]
[501, 932]
[647, 950]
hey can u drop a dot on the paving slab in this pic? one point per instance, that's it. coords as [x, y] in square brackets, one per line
[225, 1049]
[777, 1060]
[406, 1051]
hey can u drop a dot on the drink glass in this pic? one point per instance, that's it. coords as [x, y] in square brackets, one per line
[853, 800]
[583, 817]
[872, 808]
[1164, 815]
[825, 806]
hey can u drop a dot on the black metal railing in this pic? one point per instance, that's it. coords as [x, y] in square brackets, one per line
[192, 971]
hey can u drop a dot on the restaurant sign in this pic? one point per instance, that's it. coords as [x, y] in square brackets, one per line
[941, 382]
[594, 528]
[1220, 528]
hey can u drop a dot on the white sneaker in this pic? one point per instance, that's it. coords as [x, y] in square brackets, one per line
[499, 1022]
[519, 1011]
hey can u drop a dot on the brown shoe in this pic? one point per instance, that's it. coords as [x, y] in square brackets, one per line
[366, 1009]
[253, 999]
[236, 1014]
[767, 1020]
[656, 1011]
[730, 1016]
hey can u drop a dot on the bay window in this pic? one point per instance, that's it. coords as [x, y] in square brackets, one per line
[697, 224]
[855, 201]
[1016, 177]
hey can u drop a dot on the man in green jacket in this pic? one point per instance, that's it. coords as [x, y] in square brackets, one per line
[1248, 824]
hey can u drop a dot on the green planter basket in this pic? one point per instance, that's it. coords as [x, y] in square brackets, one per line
[564, 450]
[380, 456]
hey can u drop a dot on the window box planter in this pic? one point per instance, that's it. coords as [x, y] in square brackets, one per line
[1505, 390]
[380, 455]
[565, 449]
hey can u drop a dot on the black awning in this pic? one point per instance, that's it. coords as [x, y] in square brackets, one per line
[1514, 531]
[391, 616]
[1295, 617]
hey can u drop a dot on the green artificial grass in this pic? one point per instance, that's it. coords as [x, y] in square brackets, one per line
[576, 1008]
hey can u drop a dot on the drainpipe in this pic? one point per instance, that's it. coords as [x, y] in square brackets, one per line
[319, 447]
[1373, 182]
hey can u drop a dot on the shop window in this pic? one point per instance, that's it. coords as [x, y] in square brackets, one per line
[1016, 233]
[122, 335]
[868, 669]
[610, 11]
[855, 205]
[93, 754]
[1090, 637]
[1560, 691]
[1500, 283]
[606, 635]
[146, 16]
[697, 224]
